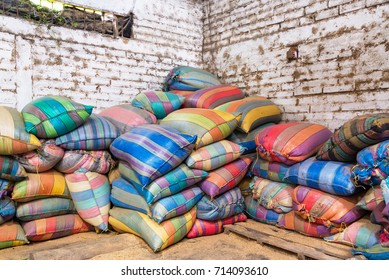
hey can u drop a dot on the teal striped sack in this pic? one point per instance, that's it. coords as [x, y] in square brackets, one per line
[376, 252]
[7, 209]
[225, 205]
[158, 102]
[11, 169]
[259, 213]
[271, 170]
[97, 133]
[329, 176]
[53, 116]
[152, 151]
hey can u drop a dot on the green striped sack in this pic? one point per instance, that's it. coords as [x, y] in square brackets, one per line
[53, 116]
[12, 234]
[11, 169]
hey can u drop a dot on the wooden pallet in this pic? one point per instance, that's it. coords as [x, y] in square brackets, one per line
[310, 248]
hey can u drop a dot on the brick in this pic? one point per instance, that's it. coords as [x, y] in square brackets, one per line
[346, 8]
[316, 7]
[328, 13]
[332, 3]
[370, 3]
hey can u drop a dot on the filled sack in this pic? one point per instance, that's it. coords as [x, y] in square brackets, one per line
[274, 171]
[371, 199]
[12, 234]
[6, 188]
[376, 252]
[11, 169]
[259, 213]
[7, 209]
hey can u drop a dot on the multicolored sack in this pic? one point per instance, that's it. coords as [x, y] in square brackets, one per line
[183, 93]
[55, 227]
[94, 161]
[159, 103]
[14, 138]
[11, 169]
[125, 116]
[157, 236]
[291, 142]
[323, 208]
[294, 222]
[247, 140]
[188, 78]
[329, 176]
[7, 209]
[225, 205]
[259, 213]
[53, 116]
[46, 184]
[6, 188]
[211, 97]
[354, 135]
[361, 233]
[205, 228]
[376, 252]
[207, 124]
[127, 172]
[152, 151]
[273, 195]
[225, 178]
[90, 192]
[96, 133]
[380, 215]
[244, 186]
[12, 234]
[44, 208]
[42, 159]
[255, 111]
[371, 199]
[274, 171]
[385, 189]
[373, 164]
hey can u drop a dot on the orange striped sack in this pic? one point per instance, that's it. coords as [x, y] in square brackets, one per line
[12, 234]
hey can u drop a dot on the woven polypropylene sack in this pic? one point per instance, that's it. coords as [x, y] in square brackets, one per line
[371, 199]
[327, 209]
[94, 161]
[53, 116]
[7, 209]
[354, 135]
[44, 208]
[11, 169]
[90, 193]
[159, 103]
[42, 159]
[207, 124]
[46, 184]
[188, 78]
[255, 111]
[273, 195]
[152, 151]
[14, 139]
[205, 228]
[291, 142]
[376, 252]
[12, 234]
[259, 213]
[55, 227]
[214, 155]
[126, 116]
[6, 188]
[329, 176]
[225, 205]
[157, 236]
[96, 133]
[274, 171]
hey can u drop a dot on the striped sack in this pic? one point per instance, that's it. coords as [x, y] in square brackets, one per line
[53, 116]
[225, 178]
[361, 233]
[183, 93]
[274, 171]
[255, 111]
[354, 135]
[14, 139]
[208, 125]
[329, 176]
[7, 209]
[94, 161]
[273, 195]
[376, 252]
[90, 193]
[44, 208]
[188, 78]
[385, 189]
[6, 188]
[36, 186]
[294, 222]
[292, 142]
[157, 236]
[95, 134]
[380, 215]
[214, 155]
[152, 151]
[244, 186]
[125, 116]
[12, 234]
[211, 97]
[43, 158]
[205, 228]
[158, 103]
[11, 169]
[55, 227]
[247, 140]
[323, 208]
[371, 199]
[225, 205]
[259, 213]
[373, 164]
